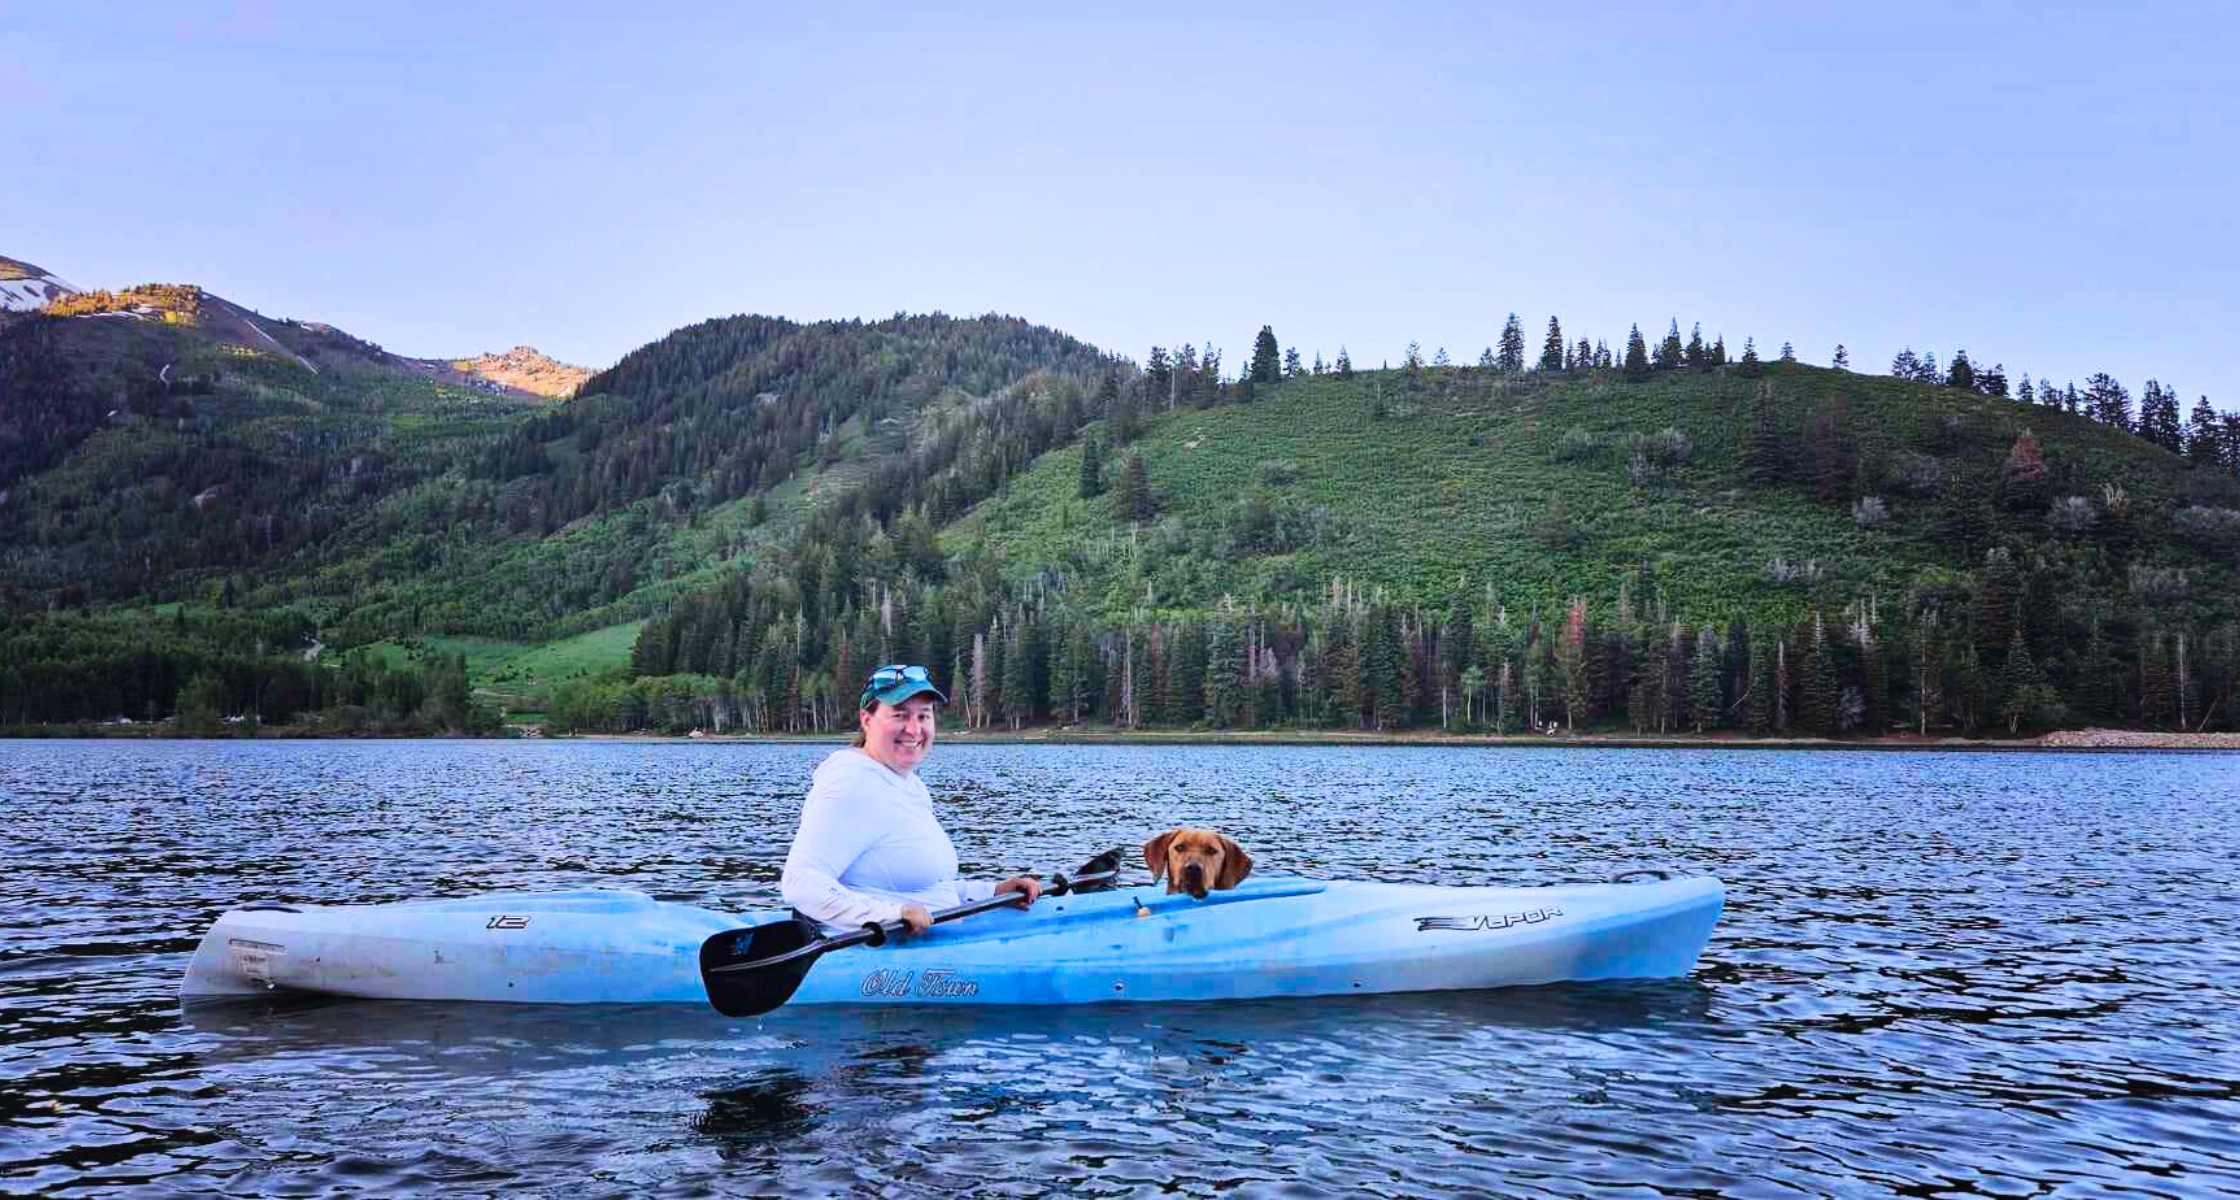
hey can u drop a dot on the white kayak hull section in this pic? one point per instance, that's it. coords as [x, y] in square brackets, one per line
[1268, 937]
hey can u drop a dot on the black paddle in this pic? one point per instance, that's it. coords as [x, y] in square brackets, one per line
[750, 971]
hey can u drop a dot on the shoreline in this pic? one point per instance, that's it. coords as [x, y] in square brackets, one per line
[2071, 741]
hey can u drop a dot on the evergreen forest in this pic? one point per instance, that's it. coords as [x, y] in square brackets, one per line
[749, 514]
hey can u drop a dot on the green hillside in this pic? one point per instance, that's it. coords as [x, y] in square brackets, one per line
[1779, 549]
[1528, 484]
[367, 505]
[726, 527]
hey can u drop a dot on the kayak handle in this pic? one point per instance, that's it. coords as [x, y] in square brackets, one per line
[1658, 872]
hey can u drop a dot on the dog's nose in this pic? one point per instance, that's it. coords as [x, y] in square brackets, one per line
[1194, 872]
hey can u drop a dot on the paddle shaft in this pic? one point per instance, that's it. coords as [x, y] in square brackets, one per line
[876, 934]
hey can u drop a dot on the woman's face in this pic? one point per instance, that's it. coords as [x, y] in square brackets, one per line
[899, 735]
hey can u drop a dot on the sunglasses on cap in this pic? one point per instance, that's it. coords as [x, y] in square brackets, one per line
[886, 677]
[907, 680]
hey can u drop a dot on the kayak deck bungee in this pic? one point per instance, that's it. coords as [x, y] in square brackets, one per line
[1266, 937]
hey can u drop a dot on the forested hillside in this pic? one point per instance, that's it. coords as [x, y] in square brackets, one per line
[1687, 544]
[1662, 538]
[388, 507]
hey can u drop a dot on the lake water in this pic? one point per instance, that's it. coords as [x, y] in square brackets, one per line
[1938, 974]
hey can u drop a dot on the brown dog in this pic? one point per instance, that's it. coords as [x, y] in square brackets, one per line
[1194, 860]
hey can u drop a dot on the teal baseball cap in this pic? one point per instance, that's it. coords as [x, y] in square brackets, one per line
[895, 683]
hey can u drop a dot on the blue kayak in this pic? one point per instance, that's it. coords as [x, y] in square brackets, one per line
[1266, 937]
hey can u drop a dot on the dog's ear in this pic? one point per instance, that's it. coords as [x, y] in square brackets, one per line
[1155, 854]
[1235, 864]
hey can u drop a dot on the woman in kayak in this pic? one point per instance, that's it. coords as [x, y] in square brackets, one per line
[869, 847]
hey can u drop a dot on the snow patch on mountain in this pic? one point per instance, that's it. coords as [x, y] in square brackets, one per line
[24, 287]
[32, 292]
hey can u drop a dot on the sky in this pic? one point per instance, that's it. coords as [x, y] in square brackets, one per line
[2052, 190]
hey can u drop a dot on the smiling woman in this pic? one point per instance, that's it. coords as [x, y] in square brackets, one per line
[869, 848]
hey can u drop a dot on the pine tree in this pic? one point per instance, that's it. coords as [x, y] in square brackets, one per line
[2158, 683]
[1458, 646]
[1761, 689]
[1118, 406]
[1132, 500]
[1582, 356]
[1224, 676]
[1749, 365]
[1736, 681]
[1637, 355]
[1291, 367]
[2019, 684]
[1267, 360]
[1963, 374]
[1571, 658]
[1788, 353]
[1092, 467]
[2107, 402]
[1704, 702]
[1186, 675]
[2028, 393]
[2158, 418]
[2203, 442]
[1345, 364]
[1384, 669]
[1668, 354]
[1928, 673]
[1698, 355]
[1018, 678]
[1842, 361]
[1158, 378]
[1994, 381]
[1906, 365]
[1997, 589]
[1817, 702]
[1551, 351]
[1511, 359]
[1963, 681]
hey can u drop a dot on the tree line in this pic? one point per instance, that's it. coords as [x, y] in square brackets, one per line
[1945, 658]
[220, 671]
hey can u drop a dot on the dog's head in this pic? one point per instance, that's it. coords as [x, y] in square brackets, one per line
[1196, 860]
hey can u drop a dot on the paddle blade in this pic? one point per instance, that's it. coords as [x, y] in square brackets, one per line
[753, 990]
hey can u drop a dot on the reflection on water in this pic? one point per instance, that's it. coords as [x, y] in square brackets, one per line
[1937, 974]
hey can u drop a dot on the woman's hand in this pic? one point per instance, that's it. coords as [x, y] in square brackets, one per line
[1027, 884]
[917, 918]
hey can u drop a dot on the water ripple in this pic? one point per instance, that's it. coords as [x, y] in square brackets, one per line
[1938, 975]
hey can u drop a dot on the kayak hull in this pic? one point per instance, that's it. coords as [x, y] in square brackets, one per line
[1268, 937]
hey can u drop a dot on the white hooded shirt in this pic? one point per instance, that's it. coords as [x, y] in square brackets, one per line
[869, 844]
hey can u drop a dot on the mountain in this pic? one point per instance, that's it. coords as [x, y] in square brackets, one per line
[163, 430]
[727, 525]
[1781, 548]
[163, 442]
[24, 287]
[524, 369]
